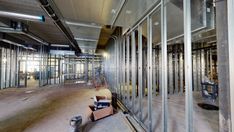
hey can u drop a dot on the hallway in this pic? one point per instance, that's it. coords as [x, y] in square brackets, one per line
[168, 65]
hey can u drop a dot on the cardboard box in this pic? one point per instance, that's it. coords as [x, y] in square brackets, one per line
[100, 113]
[101, 102]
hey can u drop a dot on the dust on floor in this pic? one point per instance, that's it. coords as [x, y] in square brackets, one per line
[49, 109]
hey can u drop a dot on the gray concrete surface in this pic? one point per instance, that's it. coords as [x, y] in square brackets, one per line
[49, 109]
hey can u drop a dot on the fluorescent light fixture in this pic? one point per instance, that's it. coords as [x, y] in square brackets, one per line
[105, 55]
[62, 52]
[60, 45]
[94, 24]
[128, 12]
[22, 16]
[4, 60]
[113, 11]
[156, 23]
[83, 24]
[83, 39]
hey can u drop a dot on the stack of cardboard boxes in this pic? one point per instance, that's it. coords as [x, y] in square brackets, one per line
[101, 108]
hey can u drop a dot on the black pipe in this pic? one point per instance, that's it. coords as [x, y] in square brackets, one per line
[60, 25]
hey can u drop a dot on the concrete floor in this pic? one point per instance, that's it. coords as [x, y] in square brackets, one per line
[50, 108]
[203, 120]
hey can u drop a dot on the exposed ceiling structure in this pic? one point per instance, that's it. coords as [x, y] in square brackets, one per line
[87, 18]
[104, 36]
[47, 30]
[92, 22]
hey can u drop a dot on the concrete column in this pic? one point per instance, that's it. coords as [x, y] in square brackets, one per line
[223, 66]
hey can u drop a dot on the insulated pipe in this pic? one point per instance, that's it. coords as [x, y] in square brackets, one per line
[47, 7]
[22, 16]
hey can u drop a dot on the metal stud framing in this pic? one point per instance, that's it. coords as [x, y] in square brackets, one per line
[133, 70]
[194, 72]
[198, 69]
[124, 69]
[154, 76]
[230, 4]
[166, 71]
[188, 66]
[176, 70]
[128, 71]
[211, 63]
[140, 85]
[181, 73]
[149, 75]
[202, 65]
[170, 73]
[164, 66]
